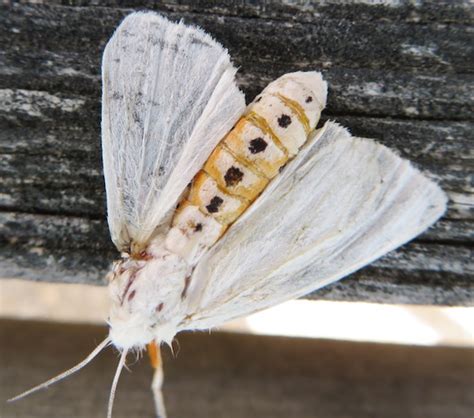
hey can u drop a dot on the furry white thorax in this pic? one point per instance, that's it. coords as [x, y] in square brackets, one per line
[146, 295]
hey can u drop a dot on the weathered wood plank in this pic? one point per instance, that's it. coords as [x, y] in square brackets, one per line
[39, 59]
[346, 42]
[73, 249]
[353, 91]
[236, 376]
[38, 176]
[399, 72]
[445, 11]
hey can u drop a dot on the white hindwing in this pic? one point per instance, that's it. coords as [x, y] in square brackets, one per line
[340, 204]
[169, 96]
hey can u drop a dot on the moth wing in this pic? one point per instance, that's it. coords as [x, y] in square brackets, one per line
[339, 205]
[169, 96]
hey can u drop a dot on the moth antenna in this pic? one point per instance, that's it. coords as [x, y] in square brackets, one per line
[65, 374]
[123, 357]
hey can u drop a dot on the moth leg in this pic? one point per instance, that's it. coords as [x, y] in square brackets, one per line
[158, 377]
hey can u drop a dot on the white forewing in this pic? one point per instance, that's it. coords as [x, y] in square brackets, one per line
[169, 96]
[340, 204]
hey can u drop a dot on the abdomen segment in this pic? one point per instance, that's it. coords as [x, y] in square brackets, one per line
[274, 127]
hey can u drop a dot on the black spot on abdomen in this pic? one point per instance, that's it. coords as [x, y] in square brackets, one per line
[309, 99]
[257, 145]
[284, 121]
[233, 176]
[198, 227]
[213, 206]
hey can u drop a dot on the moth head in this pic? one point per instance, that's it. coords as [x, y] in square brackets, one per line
[145, 291]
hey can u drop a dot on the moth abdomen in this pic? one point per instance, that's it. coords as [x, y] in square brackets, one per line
[233, 175]
[286, 127]
[304, 92]
[274, 127]
[192, 232]
[215, 201]
[256, 146]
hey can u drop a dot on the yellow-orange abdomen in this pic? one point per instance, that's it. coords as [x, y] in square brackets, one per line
[275, 126]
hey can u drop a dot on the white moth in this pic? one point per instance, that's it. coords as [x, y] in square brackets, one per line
[274, 208]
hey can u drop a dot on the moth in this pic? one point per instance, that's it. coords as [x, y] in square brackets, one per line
[220, 209]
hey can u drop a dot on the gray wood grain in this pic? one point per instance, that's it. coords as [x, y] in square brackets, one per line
[402, 73]
[236, 376]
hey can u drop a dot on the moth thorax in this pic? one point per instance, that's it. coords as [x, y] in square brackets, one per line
[146, 296]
